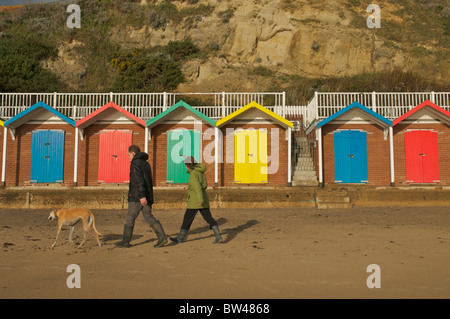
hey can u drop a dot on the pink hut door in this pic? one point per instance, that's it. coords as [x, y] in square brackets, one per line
[422, 157]
[113, 163]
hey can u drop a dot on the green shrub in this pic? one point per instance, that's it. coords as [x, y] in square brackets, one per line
[146, 71]
[181, 50]
[20, 70]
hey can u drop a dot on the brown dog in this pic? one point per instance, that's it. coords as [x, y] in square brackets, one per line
[70, 217]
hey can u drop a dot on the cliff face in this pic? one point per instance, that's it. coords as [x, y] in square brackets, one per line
[255, 45]
[309, 38]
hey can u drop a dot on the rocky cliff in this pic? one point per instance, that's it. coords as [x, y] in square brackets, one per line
[255, 45]
[310, 38]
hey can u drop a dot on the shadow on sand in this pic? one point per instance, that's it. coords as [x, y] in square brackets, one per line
[228, 234]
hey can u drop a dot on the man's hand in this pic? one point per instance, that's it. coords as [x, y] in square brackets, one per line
[143, 201]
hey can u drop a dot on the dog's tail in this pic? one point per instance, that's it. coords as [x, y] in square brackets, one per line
[91, 222]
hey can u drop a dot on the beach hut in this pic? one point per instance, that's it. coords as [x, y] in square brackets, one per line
[422, 145]
[256, 147]
[179, 132]
[102, 142]
[39, 149]
[355, 146]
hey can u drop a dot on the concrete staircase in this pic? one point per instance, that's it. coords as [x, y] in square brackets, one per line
[304, 173]
[333, 199]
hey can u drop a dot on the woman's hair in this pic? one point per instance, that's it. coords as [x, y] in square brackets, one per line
[190, 162]
[134, 149]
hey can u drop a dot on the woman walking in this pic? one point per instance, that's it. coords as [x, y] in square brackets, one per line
[197, 201]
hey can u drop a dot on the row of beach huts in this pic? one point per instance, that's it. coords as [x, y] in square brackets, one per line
[250, 147]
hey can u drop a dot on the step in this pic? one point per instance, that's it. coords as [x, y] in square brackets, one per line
[304, 183]
[304, 168]
[332, 193]
[305, 162]
[305, 174]
[304, 178]
[333, 199]
[334, 205]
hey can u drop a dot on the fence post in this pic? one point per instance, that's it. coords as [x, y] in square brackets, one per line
[374, 101]
[433, 96]
[111, 96]
[223, 104]
[316, 105]
[284, 104]
[164, 101]
[54, 100]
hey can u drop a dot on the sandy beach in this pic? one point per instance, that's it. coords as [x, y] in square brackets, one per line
[287, 253]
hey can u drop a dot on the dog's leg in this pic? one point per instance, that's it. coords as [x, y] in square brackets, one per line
[96, 237]
[57, 234]
[88, 228]
[84, 239]
[91, 231]
[71, 233]
[94, 233]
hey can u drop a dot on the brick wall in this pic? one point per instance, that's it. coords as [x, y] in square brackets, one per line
[443, 150]
[88, 158]
[18, 161]
[378, 166]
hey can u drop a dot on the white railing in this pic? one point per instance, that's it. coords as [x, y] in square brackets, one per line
[389, 105]
[143, 105]
[218, 105]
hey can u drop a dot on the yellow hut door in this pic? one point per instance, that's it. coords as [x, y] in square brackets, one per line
[250, 156]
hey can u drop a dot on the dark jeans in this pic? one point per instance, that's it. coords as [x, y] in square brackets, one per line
[133, 212]
[189, 216]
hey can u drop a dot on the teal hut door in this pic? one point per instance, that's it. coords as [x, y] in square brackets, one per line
[181, 144]
[47, 156]
[350, 157]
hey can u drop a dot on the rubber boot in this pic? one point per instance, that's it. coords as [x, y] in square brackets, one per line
[216, 231]
[127, 234]
[181, 236]
[162, 238]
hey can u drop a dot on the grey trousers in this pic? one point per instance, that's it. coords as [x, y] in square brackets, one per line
[133, 212]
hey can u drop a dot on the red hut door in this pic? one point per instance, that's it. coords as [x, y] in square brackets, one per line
[113, 163]
[422, 158]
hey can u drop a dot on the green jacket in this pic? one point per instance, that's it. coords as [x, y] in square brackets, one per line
[197, 188]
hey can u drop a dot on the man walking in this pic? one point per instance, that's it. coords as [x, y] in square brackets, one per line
[140, 198]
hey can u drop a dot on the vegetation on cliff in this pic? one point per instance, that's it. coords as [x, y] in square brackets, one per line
[144, 46]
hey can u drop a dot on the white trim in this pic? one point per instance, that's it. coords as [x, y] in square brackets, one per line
[146, 139]
[5, 142]
[391, 154]
[216, 156]
[319, 146]
[289, 155]
[75, 159]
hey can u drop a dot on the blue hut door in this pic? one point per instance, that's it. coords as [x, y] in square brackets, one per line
[47, 156]
[350, 157]
[181, 144]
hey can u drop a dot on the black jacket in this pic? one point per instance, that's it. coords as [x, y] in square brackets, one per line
[141, 184]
